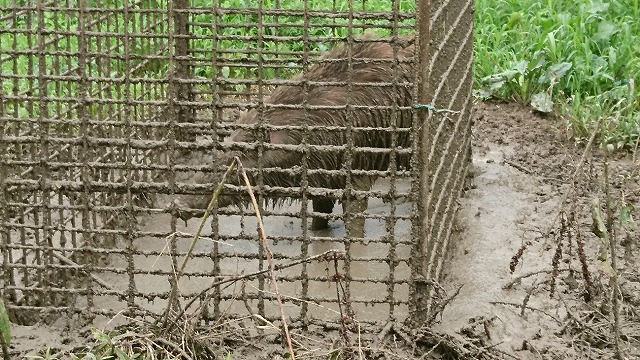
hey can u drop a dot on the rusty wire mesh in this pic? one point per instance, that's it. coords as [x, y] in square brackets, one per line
[110, 110]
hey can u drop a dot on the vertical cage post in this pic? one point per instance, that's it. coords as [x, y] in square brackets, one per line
[445, 35]
[182, 91]
[420, 285]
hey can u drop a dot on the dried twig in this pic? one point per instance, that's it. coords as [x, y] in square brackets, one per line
[571, 315]
[346, 313]
[578, 168]
[526, 307]
[456, 347]
[265, 243]
[615, 291]
[178, 274]
[441, 305]
[524, 276]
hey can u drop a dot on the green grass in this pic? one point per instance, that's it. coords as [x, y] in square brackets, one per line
[289, 26]
[22, 63]
[519, 44]
[581, 58]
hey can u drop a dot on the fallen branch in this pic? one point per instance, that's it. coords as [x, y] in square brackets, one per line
[526, 307]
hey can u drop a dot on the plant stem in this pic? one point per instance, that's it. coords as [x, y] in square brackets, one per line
[613, 281]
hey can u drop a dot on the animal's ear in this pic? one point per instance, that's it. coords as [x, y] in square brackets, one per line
[247, 117]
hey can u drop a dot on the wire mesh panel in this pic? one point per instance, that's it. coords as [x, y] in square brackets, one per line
[82, 88]
[445, 151]
[120, 117]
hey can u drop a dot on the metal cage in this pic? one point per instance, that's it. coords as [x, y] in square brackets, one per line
[112, 110]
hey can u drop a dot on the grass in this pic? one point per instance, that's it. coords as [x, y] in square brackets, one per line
[288, 27]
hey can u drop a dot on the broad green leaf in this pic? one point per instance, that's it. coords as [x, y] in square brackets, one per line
[606, 29]
[542, 102]
[544, 78]
[492, 78]
[599, 62]
[485, 93]
[540, 58]
[494, 82]
[557, 71]
[597, 7]
[497, 85]
[626, 216]
[521, 67]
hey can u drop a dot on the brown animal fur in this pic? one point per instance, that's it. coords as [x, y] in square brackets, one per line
[367, 67]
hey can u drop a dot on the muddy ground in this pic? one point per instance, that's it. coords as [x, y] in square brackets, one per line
[531, 195]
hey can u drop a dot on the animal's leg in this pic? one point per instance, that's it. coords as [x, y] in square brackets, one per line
[354, 208]
[322, 205]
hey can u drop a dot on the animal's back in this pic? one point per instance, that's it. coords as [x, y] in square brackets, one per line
[354, 97]
[380, 81]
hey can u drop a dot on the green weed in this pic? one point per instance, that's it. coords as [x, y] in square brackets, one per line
[5, 330]
[592, 43]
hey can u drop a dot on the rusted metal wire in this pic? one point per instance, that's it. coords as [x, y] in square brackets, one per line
[109, 112]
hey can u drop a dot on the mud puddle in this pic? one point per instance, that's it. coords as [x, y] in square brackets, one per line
[521, 166]
[239, 253]
[498, 214]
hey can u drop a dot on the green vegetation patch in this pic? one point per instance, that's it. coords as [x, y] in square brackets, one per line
[581, 59]
[582, 56]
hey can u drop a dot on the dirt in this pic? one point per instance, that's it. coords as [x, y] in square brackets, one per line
[526, 180]
[524, 166]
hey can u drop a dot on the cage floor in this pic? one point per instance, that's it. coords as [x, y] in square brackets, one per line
[373, 283]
